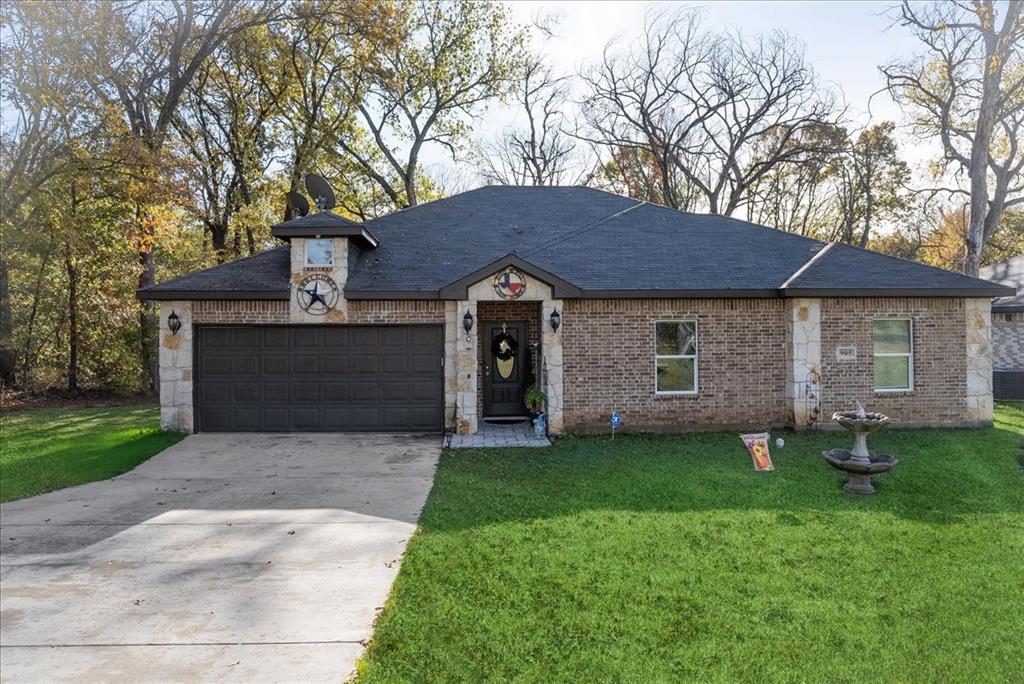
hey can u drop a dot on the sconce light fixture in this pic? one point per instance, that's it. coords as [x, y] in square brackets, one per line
[556, 320]
[467, 323]
[174, 323]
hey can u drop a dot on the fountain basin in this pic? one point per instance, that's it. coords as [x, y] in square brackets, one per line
[858, 469]
[855, 422]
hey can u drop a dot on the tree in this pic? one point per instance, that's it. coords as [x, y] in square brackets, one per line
[140, 59]
[448, 59]
[224, 132]
[716, 113]
[967, 90]
[540, 152]
[871, 183]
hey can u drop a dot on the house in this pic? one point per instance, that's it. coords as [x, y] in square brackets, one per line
[441, 315]
[1008, 329]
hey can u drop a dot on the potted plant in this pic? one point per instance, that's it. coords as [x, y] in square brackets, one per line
[534, 400]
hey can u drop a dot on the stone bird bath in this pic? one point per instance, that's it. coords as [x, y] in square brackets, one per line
[859, 464]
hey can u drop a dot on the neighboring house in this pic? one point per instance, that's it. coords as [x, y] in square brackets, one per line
[1008, 329]
[441, 315]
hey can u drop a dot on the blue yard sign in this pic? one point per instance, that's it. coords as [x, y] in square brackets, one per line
[616, 422]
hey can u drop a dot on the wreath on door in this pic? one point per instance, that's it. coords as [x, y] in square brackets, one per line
[504, 348]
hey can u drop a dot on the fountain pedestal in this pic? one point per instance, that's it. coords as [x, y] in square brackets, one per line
[859, 463]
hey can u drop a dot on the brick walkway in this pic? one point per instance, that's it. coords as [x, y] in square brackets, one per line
[496, 435]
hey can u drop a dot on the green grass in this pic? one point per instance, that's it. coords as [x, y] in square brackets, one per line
[46, 449]
[666, 558]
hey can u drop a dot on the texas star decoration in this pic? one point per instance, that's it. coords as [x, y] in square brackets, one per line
[317, 294]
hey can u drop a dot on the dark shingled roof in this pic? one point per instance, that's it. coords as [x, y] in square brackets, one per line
[261, 276]
[1011, 274]
[597, 244]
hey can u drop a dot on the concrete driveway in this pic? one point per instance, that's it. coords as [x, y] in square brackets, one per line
[226, 557]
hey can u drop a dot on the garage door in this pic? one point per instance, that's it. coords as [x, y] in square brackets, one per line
[319, 378]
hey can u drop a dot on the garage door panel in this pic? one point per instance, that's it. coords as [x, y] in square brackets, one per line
[394, 363]
[277, 337]
[425, 364]
[246, 419]
[365, 364]
[247, 392]
[304, 391]
[319, 378]
[423, 390]
[335, 391]
[364, 391]
[394, 390]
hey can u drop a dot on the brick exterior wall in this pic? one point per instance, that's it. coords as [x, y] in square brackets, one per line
[496, 312]
[609, 364]
[239, 312]
[940, 359]
[276, 311]
[1008, 340]
[399, 311]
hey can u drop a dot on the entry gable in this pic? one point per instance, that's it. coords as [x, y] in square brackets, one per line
[481, 281]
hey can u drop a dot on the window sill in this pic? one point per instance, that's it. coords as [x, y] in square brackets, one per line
[891, 392]
[669, 395]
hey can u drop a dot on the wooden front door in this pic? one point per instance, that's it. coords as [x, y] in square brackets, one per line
[504, 378]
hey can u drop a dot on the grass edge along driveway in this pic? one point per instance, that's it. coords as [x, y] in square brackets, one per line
[666, 558]
[46, 449]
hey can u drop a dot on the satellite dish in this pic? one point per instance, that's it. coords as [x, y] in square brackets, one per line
[320, 190]
[298, 204]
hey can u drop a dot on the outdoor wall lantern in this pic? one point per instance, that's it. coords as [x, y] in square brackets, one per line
[467, 323]
[556, 320]
[174, 323]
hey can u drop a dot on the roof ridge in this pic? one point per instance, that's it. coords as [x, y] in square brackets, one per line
[807, 266]
[582, 229]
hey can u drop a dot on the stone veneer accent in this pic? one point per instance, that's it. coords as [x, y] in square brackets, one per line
[338, 272]
[176, 368]
[803, 361]
[609, 363]
[1008, 340]
[980, 408]
[939, 396]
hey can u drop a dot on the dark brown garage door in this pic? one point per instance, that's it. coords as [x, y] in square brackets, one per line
[319, 378]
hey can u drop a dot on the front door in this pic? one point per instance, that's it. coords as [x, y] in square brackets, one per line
[505, 372]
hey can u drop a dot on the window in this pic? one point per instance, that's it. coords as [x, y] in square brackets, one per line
[675, 357]
[894, 354]
[319, 252]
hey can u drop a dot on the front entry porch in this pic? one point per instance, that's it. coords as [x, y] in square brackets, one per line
[498, 436]
[499, 342]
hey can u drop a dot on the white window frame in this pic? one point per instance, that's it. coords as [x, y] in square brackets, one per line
[908, 355]
[695, 356]
[330, 262]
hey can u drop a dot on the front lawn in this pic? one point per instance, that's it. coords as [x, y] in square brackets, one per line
[666, 558]
[46, 449]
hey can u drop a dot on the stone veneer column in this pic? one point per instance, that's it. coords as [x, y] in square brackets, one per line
[465, 369]
[452, 327]
[338, 273]
[176, 368]
[979, 360]
[551, 345]
[803, 356]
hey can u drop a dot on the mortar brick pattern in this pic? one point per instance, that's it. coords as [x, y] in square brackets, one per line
[940, 359]
[609, 363]
[240, 311]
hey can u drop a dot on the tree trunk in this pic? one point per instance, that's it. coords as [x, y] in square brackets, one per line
[8, 358]
[72, 271]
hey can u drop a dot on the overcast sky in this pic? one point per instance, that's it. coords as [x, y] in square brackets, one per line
[845, 42]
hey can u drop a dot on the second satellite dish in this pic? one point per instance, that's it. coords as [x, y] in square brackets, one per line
[320, 190]
[298, 204]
